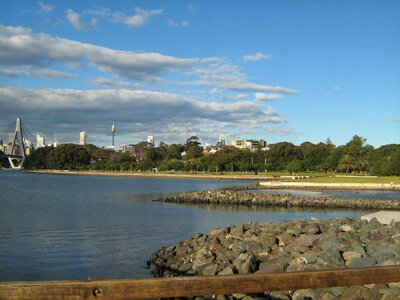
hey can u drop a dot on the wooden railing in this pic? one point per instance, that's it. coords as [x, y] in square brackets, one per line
[196, 285]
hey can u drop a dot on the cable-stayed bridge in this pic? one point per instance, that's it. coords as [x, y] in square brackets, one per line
[16, 150]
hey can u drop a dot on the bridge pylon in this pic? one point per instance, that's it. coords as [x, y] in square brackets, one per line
[17, 154]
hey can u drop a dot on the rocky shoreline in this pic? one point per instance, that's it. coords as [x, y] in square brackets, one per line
[288, 246]
[235, 197]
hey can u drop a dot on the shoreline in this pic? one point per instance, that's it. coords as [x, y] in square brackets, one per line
[247, 198]
[265, 182]
[329, 186]
[157, 175]
[303, 245]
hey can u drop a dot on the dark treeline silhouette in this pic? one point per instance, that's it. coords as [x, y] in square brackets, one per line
[354, 157]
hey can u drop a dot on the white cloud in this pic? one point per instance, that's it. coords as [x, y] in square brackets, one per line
[110, 83]
[192, 7]
[223, 74]
[33, 71]
[45, 8]
[76, 22]
[281, 131]
[128, 106]
[336, 88]
[396, 120]
[240, 96]
[267, 97]
[258, 56]
[215, 91]
[172, 23]
[140, 18]
[19, 46]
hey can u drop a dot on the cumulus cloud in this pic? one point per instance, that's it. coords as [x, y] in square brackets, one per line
[64, 110]
[281, 131]
[33, 71]
[223, 74]
[215, 91]
[140, 18]
[258, 56]
[172, 23]
[239, 96]
[76, 22]
[19, 46]
[110, 83]
[267, 97]
[45, 8]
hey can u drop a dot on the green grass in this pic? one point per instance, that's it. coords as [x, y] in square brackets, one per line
[356, 179]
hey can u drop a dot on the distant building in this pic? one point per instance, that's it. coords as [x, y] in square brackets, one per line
[83, 138]
[223, 141]
[251, 144]
[40, 142]
[150, 140]
[28, 147]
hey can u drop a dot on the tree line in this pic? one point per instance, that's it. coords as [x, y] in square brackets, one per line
[356, 156]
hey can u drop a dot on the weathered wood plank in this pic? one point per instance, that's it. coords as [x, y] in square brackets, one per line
[196, 286]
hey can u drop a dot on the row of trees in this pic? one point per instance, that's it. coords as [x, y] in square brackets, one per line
[355, 156]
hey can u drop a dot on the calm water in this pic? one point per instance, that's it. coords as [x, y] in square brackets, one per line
[70, 227]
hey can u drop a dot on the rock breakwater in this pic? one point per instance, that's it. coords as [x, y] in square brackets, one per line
[247, 198]
[289, 246]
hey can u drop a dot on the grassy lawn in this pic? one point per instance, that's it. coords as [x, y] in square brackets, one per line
[355, 179]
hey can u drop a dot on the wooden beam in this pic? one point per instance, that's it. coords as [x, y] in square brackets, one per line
[197, 286]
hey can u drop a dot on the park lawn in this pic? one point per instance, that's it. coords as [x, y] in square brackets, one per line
[355, 179]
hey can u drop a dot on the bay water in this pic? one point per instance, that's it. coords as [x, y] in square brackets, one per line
[56, 227]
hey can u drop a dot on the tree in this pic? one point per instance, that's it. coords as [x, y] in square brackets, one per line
[193, 148]
[68, 157]
[347, 164]
[358, 150]
[38, 159]
[98, 154]
[281, 154]
[153, 157]
[4, 161]
[174, 151]
[296, 165]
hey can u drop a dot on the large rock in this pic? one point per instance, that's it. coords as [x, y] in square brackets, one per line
[288, 246]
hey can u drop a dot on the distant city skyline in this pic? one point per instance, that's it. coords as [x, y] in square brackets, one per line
[291, 71]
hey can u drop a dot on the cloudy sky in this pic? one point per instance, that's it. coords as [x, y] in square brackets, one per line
[275, 70]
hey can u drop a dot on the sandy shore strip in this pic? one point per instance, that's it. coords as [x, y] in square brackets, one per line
[265, 181]
[329, 186]
[158, 175]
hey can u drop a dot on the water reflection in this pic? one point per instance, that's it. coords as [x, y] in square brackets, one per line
[55, 227]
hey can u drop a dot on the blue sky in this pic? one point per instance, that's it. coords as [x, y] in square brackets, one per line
[275, 70]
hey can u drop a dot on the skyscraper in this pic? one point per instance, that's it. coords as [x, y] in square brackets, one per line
[83, 138]
[40, 142]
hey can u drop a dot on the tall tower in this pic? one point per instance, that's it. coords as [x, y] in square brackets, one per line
[83, 138]
[113, 132]
[40, 141]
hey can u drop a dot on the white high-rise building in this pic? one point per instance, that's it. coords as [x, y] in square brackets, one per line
[150, 139]
[83, 138]
[40, 142]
